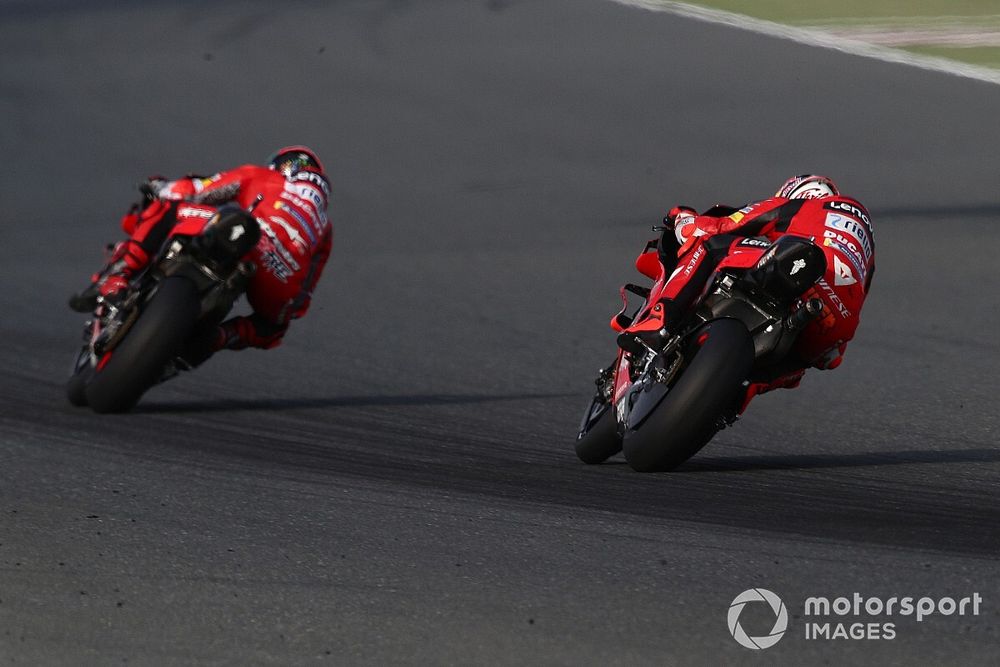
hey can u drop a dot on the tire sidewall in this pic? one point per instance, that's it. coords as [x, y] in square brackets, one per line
[154, 339]
[601, 441]
[688, 416]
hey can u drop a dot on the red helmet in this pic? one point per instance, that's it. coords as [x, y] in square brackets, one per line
[807, 186]
[290, 160]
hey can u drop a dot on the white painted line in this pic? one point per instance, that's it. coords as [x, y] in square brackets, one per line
[817, 38]
[908, 36]
[978, 20]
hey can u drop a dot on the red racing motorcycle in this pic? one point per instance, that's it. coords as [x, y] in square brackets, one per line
[136, 340]
[663, 402]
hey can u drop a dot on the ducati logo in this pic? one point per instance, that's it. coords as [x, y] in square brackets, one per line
[843, 273]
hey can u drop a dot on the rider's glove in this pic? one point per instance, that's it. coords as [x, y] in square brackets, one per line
[689, 230]
[150, 189]
[157, 187]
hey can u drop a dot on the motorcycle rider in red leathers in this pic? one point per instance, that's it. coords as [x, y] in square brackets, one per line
[808, 206]
[288, 198]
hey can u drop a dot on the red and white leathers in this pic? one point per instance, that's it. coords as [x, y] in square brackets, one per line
[296, 238]
[839, 225]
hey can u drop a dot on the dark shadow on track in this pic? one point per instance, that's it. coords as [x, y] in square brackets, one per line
[812, 461]
[775, 494]
[235, 405]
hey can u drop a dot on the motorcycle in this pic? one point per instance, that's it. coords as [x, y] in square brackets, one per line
[661, 403]
[136, 340]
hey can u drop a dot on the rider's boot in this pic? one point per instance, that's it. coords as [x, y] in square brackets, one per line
[127, 259]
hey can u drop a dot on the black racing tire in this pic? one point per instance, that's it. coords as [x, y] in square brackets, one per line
[76, 387]
[138, 360]
[689, 415]
[602, 441]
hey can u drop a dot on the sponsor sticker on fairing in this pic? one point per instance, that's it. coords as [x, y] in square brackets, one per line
[829, 294]
[275, 266]
[850, 255]
[844, 226]
[314, 179]
[195, 212]
[293, 233]
[842, 273]
[277, 245]
[852, 210]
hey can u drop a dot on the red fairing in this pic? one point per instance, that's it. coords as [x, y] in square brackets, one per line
[839, 225]
[648, 264]
[296, 235]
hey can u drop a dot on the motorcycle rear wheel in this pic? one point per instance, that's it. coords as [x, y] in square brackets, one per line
[139, 359]
[690, 414]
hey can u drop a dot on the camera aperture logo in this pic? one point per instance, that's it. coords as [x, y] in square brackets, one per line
[780, 618]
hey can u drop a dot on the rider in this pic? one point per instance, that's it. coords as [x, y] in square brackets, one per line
[808, 206]
[288, 198]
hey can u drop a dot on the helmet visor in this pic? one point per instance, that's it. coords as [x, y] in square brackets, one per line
[292, 162]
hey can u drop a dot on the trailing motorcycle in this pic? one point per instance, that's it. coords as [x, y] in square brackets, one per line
[662, 402]
[138, 338]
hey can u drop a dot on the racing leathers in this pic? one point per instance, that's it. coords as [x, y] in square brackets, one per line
[295, 242]
[839, 225]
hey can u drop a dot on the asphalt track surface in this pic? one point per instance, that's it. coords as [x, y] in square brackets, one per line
[396, 483]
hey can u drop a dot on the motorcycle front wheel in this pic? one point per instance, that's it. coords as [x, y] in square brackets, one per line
[601, 440]
[76, 386]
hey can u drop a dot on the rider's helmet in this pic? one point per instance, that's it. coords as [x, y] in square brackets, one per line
[290, 160]
[807, 186]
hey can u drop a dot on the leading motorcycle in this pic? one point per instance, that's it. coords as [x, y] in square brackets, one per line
[137, 339]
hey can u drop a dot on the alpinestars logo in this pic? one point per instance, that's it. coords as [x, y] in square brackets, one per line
[780, 618]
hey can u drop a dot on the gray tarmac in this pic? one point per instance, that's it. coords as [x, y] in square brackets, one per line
[396, 484]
